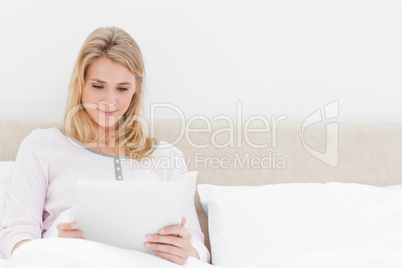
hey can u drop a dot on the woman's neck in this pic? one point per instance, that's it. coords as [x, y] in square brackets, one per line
[104, 137]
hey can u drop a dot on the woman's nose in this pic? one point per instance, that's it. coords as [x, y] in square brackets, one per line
[108, 107]
[108, 103]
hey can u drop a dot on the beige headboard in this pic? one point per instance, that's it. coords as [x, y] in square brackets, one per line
[369, 153]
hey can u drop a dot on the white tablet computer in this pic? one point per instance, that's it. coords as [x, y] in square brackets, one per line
[123, 213]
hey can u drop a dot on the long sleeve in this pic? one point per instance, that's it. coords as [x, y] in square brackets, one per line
[180, 171]
[25, 198]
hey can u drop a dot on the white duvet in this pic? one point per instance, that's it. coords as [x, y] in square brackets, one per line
[348, 258]
[80, 253]
[65, 252]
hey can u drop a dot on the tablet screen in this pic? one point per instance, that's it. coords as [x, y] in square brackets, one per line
[123, 213]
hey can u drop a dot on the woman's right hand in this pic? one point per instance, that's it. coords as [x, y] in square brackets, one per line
[69, 229]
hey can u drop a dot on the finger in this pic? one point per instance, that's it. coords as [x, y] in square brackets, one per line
[67, 226]
[183, 222]
[170, 257]
[72, 234]
[165, 248]
[167, 239]
[175, 230]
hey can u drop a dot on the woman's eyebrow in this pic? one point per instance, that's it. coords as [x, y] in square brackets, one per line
[100, 81]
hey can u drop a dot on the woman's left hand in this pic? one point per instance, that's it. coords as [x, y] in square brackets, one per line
[173, 243]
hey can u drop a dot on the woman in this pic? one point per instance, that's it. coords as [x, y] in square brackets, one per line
[100, 133]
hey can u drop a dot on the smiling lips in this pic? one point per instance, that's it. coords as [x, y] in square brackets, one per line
[107, 113]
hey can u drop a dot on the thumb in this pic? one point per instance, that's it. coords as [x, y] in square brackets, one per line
[183, 222]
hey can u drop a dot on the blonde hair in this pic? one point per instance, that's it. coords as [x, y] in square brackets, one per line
[129, 133]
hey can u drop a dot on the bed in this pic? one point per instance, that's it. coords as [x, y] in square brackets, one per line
[269, 194]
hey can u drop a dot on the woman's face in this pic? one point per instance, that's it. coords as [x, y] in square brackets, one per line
[108, 90]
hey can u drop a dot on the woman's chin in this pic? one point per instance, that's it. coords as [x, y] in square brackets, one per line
[107, 122]
[107, 126]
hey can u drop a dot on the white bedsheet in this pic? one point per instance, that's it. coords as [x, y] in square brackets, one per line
[348, 258]
[79, 253]
[64, 252]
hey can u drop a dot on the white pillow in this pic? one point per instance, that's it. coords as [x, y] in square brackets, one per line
[6, 171]
[394, 187]
[266, 226]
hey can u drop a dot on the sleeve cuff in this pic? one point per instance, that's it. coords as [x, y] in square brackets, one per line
[203, 252]
[9, 244]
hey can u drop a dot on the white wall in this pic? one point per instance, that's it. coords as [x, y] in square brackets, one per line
[276, 57]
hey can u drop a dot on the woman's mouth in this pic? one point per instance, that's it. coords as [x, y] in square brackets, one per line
[107, 113]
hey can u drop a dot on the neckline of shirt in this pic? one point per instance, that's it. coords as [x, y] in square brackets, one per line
[96, 152]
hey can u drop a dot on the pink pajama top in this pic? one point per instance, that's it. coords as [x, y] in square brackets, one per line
[47, 166]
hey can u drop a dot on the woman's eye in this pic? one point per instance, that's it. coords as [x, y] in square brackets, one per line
[120, 88]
